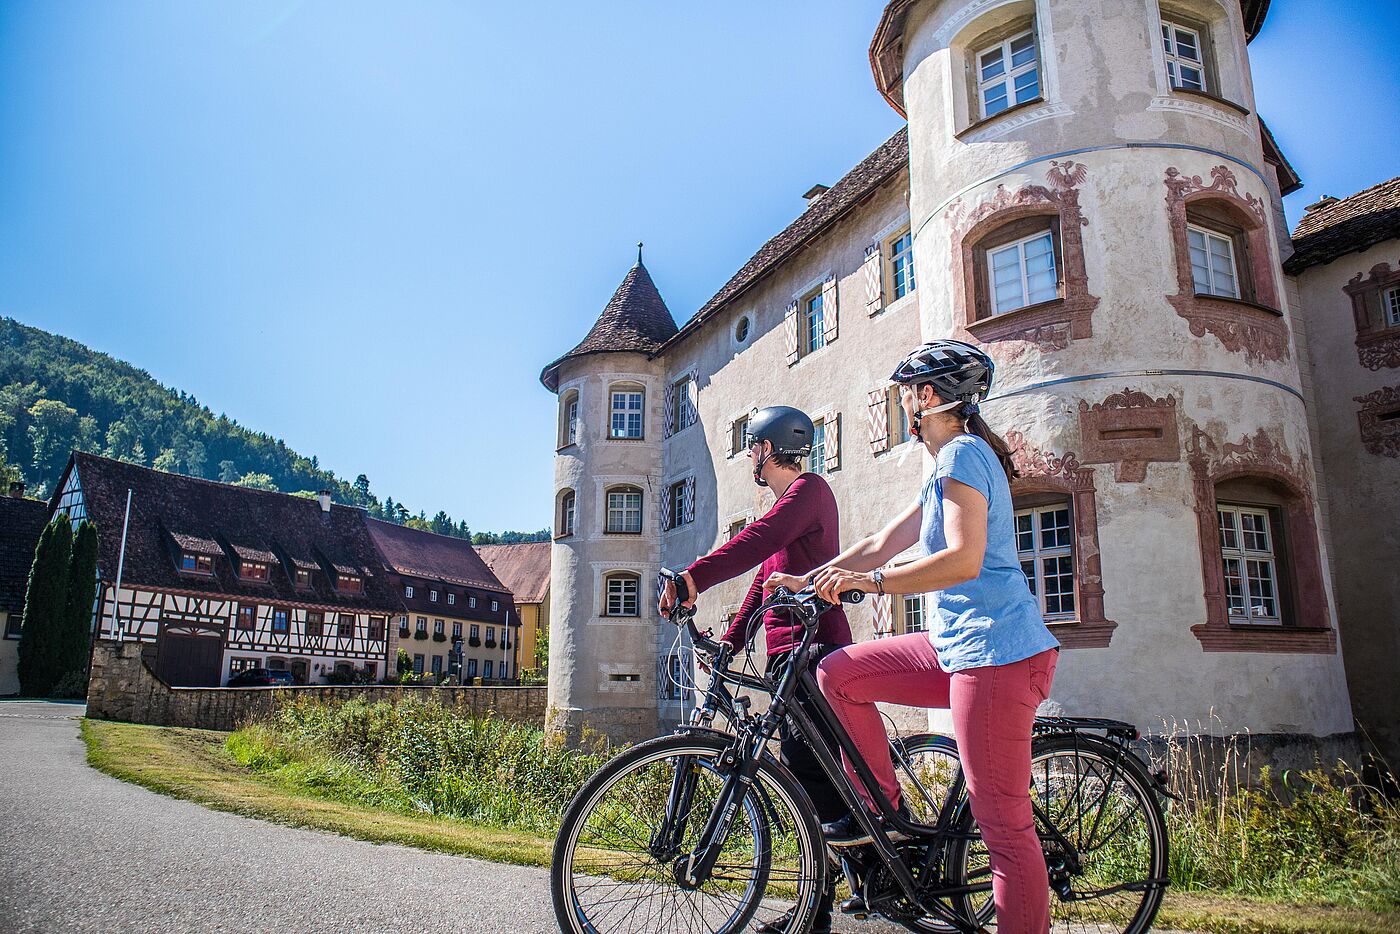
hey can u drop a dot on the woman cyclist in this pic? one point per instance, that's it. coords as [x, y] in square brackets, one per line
[800, 532]
[987, 655]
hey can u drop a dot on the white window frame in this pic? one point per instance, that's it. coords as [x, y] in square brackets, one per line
[1390, 302]
[1175, 60]
[738, 431]
[623, 512]
[451, 599]
[421, 624]
[812, 323]
[1039, 553]
[1209, 237]
[568, 513]
[1009, 74]
[432, 596]
[913, 612]
[901, 262]
[486, 670]
[495, 606]
[619, 597]
[896, 419]
[1256, 566]
[408, 590]
[622, 412]
[682, 414]
[816, 461]
[1020, 247]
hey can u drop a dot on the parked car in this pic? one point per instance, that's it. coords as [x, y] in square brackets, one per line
[261, 677]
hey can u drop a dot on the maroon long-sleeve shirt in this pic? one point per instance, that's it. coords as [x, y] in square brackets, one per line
[800, 532]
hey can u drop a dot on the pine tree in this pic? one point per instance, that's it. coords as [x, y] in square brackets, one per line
[71, 639]
[44, 605]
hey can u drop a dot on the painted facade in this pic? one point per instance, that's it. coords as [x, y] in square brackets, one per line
[1161, 405]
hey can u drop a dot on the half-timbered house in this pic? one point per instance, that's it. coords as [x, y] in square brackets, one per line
[216, 578]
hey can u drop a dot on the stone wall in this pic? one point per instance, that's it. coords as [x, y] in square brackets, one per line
[122, 687]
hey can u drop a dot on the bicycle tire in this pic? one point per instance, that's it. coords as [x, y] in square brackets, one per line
[777, 835]
[1067, 772]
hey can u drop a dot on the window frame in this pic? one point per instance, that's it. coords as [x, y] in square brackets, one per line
[432, 596]
[248, 571]
[301, 578]
[894, 271]
[451, 598]
[623, 578]
[408, 591]
[1039, 553]
[627, 412]
[738, 433]
[919, 611]
[1019, 245]
[1390, 307]
[811, 323]
[683, 414]
[349, 583]
[623, 512]
[1169, 46]
[897, 424]
[568, 418]
[1210, 236]
[286, 615]
[1007, 78]
[817, 464]
[315, 624]
[568, 514]
[1273, 556]
[248, 608]
[341, 624]
[675, 504]
[378, 628]
[197, 560]
[1017, 230]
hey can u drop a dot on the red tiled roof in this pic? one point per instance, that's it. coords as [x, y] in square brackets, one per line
[1349, 225]
[636, 319]
[168, 510]
[415, 553]
[524, 568]
[21, 521]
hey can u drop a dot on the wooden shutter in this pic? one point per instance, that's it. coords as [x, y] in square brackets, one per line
[877, 419]
[830, 316]
[688, 501]
[981, 288]
[790, 333]
[833, 442]
[880, 607]
[692, 398]
[874, 281]
[665, 504]
[670, 409]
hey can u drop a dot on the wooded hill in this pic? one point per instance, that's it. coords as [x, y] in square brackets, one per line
[57, 394]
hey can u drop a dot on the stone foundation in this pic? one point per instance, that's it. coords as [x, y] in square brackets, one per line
[614, 726]
[122, 687]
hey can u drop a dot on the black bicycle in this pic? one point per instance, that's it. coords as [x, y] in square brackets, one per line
[705, 830]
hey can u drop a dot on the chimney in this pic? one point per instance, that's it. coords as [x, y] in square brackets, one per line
[16, 489]
[814, 194]
[1323, 202]
[324, 498]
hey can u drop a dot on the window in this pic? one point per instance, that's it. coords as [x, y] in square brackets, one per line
[422, 625]
[626, 407]
[408, 590]
[349, 583]
[252, 570]
[1022, 273]
[247, 617]
[196, 564]
[623, 592]
[495, 606]
[505, 669]
[568, 512]
[345, 625]
[376, 628]
[816, 461]
[1185, 65]
[276, 664]
[625, 510]
[403, 625]
[417, 664]
[1247, 553]
[476, 632]
[741, 329]
[281, 619]
[675, 505]
[1008, 74]
[490, 637]
[505, 637]
[736, 527]
[471, 668]
[568, 419]
[236, 664]
[438, 626]
[1392, 308]
[1212, 262]
[897, 420]
[315, 623]
[486, 668]
[13, 623]
[432, 596]
[301, 577]
[902, 264]
[1043, 544]
[738, 435]
[437, 666]
[813, 324]
[451, 599]
[682, 414]
[471, 602]
[913, 610]
[456, 629]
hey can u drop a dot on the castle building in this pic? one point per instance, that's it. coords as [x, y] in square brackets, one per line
[1091, 196]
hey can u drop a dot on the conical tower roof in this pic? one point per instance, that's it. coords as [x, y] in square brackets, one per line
[636, 321]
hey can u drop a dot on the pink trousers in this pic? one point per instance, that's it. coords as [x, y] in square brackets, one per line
[993, 710]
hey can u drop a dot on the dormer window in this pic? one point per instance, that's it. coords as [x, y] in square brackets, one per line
[301, 577]
[432, 596]
[471, 602]
[349, 583]
[196, 564]
[408, 590]
[451, 599]
[252, 570]
[495, 606]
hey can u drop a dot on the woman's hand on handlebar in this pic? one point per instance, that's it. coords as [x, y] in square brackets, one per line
[830, 583]
[792, 582]
[668, 595]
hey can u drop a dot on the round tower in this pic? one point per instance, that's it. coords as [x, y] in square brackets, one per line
[607, 477]
[1091, 201]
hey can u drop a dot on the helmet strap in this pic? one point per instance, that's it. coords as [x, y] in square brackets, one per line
[921, 414]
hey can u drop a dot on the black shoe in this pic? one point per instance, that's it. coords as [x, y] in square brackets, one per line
[821, 924]
[855, 905]
[848, 832]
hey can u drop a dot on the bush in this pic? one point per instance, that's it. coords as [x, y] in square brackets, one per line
[72, 686]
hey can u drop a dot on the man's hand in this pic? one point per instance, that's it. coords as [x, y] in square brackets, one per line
[830, 583]
[790, 581]
[668, 595]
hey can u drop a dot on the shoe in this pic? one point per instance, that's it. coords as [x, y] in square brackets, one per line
[848, 832]
[855, 905]
[821, 924]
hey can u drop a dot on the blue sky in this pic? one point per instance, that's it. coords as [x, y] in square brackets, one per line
[364, 227]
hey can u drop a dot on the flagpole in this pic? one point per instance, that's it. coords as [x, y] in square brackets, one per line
[121, 562]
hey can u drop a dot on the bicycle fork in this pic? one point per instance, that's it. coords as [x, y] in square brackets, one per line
[693, 870]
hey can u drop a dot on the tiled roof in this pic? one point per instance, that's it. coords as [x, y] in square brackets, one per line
[872, 172]
[636, 319]
[169, 510]
[415, 553]
[21, 521]
[524, 568]
[1349, 225]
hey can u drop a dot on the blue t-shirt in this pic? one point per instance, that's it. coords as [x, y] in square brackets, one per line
[993, 619]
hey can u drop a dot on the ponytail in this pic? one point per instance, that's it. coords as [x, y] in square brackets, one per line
[978, 427]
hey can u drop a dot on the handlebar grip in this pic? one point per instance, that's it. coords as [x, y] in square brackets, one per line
[853, 596]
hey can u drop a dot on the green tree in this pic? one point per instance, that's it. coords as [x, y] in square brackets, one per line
[167, 460]
[257, 481]
[228, 472]
[195, 459]
[45, 603]
[53, 431]
[403, 664]
[75, 629]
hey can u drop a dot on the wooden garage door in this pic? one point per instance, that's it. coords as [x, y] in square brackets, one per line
[190, 654]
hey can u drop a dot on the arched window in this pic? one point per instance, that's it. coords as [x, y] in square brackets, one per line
[624, 505]
[626, 412]
[622, 594]
[568, 418]
[565, 523]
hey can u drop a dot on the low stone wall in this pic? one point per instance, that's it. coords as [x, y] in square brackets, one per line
[122, 687]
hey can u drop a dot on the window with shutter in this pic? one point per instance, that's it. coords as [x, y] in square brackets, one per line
[870, 273]
[790, 333]
[670, 408]
[833, 442]
[880, 608]
[830, 316]
[688, 506]
[877, 420]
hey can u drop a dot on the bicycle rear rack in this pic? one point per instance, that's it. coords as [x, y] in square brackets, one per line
[1116, 729]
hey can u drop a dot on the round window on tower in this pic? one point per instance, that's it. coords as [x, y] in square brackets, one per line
[741, 330]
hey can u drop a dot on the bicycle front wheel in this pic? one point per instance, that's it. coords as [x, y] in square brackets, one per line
[631, 828]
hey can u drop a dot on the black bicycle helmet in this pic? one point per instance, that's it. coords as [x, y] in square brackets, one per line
[789, 430]
[959, 372]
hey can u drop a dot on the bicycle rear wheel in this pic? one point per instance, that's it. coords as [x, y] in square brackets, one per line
[629, 828]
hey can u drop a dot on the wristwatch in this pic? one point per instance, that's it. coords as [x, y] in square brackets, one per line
[879, 577]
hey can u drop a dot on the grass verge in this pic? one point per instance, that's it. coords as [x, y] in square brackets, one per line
[195, 765]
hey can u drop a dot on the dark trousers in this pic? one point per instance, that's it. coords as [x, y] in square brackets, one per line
[797, 755]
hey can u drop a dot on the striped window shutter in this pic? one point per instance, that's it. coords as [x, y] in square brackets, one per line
[729, 435]
[884, 623]
[874, 284]
[830, 316]
[833, 442]
[688, 503]
[664, 502]
[670, 409]
[790, 332]
[692, 398]
[878, 421]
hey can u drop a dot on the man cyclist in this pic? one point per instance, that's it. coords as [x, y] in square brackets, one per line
[801, 532]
